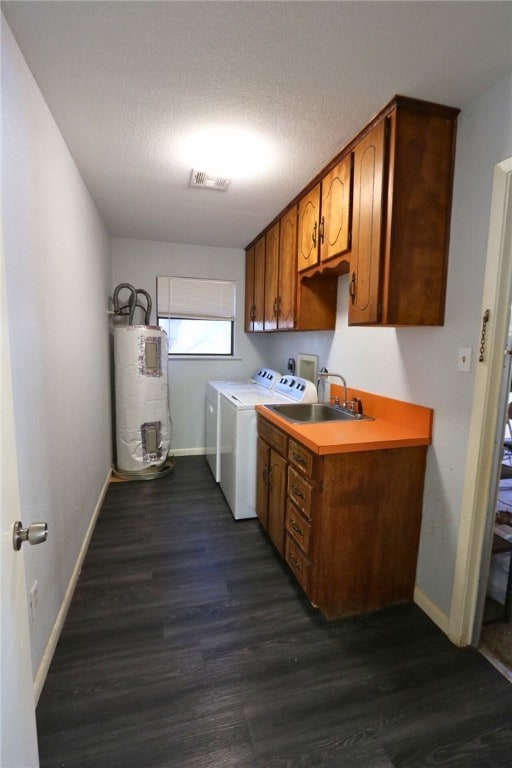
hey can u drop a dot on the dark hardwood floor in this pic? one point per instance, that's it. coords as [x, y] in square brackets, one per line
[189, 645]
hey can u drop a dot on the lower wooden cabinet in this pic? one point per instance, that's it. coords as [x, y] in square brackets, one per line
[347, 524]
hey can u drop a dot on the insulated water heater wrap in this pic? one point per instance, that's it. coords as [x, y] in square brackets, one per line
[143, 428]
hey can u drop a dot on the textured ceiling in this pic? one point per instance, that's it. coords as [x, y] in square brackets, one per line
[126, 81]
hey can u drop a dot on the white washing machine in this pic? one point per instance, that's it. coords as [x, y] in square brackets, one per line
[263, 380]
[239, 435]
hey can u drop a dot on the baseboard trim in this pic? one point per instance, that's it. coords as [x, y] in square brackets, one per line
[188, 451]
[44, 666]
[432, 610]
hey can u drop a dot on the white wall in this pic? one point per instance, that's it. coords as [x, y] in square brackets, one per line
[138, 262]
[58, 269]
[420, 364]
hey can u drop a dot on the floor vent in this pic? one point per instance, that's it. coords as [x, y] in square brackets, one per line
[207, 181]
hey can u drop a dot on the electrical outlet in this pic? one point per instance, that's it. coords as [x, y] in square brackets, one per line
[464, 359]
[33, 599]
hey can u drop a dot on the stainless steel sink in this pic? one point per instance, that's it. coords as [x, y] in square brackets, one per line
[314, 413]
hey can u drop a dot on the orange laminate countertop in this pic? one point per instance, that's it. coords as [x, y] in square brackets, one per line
[396, 424]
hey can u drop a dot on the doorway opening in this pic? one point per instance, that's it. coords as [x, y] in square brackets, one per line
[495, 640]
[485, 439]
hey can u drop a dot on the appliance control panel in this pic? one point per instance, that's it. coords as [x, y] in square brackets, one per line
[266, 377]
[296, 388]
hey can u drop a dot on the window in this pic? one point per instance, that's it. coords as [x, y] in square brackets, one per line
[197, 314]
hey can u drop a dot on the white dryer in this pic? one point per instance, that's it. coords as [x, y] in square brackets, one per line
[239, 434]
[263, 380]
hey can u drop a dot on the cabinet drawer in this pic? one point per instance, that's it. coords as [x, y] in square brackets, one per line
[300, 492]
[274, 437]
[297, 526]
[300, 457]
[298, 563]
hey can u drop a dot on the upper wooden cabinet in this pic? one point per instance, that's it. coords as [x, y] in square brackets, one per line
[287, 270]
[271, 288]
[249, 289]
[381, 211]
[255, 286]
[324, 217]
[275, 299]
[365, 258]
[307, 229]
[335, 217]
[403, 178]
[281, 273]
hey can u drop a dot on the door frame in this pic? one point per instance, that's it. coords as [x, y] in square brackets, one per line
[481, 466]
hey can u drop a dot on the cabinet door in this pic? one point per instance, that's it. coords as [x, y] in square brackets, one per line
[287, 270]
[262, 481]
[277, 501]
[336, 204]
[249, 290]
[259, 285]
[271, 277]
[307, 229]
[365, 262]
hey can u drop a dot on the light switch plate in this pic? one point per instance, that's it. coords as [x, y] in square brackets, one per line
[464, 359]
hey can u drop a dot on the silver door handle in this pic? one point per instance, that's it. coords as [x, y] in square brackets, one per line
[34, 534]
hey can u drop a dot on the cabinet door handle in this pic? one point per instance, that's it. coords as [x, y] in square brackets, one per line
[267, 472]
[322, 224]
[297, 492]
[295, 563]
[270, 470]
[352, 287]
[296, 527]
[313, 234]
[298, 459]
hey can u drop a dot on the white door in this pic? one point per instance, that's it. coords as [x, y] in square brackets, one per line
[473, 549]
[18, 735]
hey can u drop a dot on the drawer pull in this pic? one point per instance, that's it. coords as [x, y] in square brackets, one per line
[297, 492]
[299, 459]
[296, 527]
[295, 563]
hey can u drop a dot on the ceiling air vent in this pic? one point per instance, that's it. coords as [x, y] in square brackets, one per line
[207, 181]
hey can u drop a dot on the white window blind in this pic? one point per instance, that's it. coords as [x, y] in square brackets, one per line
[187, 297]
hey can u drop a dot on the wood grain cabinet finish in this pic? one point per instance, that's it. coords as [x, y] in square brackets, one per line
[249, 290]
[287, 293]
[365, 258]
[335, 213]
[308, 229]
[324, 217]
[271, 285]
[280, 273]
[351, 523]
[271, 492]
[274, 299]
[403, 179]
[262, 464]
[255, 287]
[380, 211]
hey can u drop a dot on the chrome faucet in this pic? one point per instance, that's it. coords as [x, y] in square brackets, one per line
[326, 374]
